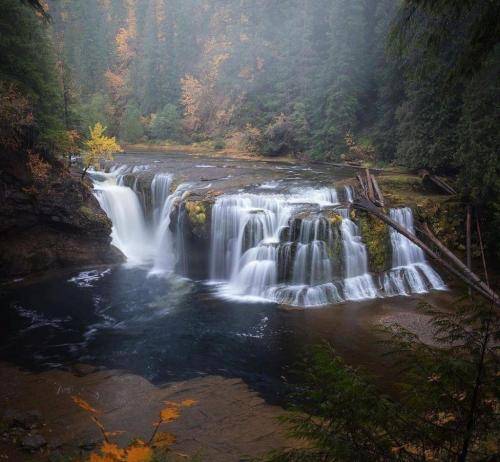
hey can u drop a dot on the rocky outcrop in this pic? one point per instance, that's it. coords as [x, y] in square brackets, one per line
[375, 235]
[49, 218]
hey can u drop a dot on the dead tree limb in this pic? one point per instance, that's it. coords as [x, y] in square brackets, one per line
[369, 184]
[471, 279]
[463, 268]
[362, 184]
[380, 196]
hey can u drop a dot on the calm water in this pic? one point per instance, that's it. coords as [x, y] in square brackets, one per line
[168, 329]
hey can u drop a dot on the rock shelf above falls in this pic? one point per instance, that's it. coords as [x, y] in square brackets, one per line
[260, 232]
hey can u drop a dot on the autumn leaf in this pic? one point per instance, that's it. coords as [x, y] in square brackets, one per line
[83, 404]
[98, 458]
[188, 402]
[112, 450]
[139, 453]
[169, 414]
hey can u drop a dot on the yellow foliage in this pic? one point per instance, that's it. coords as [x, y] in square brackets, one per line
[99, 147]
[169, 414]
[139, 453]
[138, 450]
[188, 402]
[112, 450]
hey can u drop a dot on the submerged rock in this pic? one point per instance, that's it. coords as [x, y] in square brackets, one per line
[33, 442]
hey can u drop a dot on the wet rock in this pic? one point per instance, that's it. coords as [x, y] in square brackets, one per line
[49, 222]
[33, 442]
[56, 456]
[23, 419]
[81, 370]
[54, 443]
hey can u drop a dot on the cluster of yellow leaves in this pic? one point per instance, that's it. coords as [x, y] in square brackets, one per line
[138, 450]
[99, 147]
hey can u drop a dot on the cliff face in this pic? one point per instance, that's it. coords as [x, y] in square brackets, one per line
[49, 219]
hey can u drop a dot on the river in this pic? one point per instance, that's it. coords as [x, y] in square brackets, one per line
[268, 274]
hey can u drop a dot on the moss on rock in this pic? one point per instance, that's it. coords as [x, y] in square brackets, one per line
[196, 212]
[375, 235]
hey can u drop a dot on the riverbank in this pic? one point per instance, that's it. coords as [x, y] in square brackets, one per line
[229, 422]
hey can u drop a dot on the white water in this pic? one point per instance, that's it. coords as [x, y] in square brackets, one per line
[264, 247]
[410, 272]
[358, 283]
[129, 232]
[143, 240]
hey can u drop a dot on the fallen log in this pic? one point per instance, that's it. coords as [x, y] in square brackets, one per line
[437, 181]
[378, 191]
[369, 184]
[463, 268]
[471, 279]
[362, 183]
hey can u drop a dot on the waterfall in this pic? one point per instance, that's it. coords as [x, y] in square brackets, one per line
[358, 283]
[160, 190]
[141, 232]
[167, 254]
[249, 254]
[290, 248]
[129, 232]
[410, 272]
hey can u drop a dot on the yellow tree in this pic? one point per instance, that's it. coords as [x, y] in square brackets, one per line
[98, 147]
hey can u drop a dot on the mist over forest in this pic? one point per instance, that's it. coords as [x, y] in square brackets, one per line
[204, 192]
[318, 79]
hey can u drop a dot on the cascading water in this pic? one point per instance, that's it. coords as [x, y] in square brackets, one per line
[358, 283]
[143, 239]
[167, 253]
[410, 273]
[129, 232]
[251, 256]
[245, 236]
[302, 248]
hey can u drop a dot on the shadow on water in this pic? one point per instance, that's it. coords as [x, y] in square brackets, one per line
[168, 329]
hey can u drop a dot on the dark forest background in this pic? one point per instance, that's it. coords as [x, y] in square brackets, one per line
[413, 83]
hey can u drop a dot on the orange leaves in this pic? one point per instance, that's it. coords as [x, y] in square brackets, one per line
[169, 414]
[139, 453]
[173, 410]
[135, 452]
[83, 404]
[188, 402]
[123, 45]
[38, 167]
[138, 450]
[115, 82]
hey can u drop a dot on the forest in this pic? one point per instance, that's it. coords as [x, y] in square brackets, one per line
[280, 156]
[406, 84]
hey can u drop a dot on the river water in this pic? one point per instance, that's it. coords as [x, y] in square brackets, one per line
[240, 318]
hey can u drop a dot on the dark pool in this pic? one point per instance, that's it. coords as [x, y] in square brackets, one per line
[168, 329]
